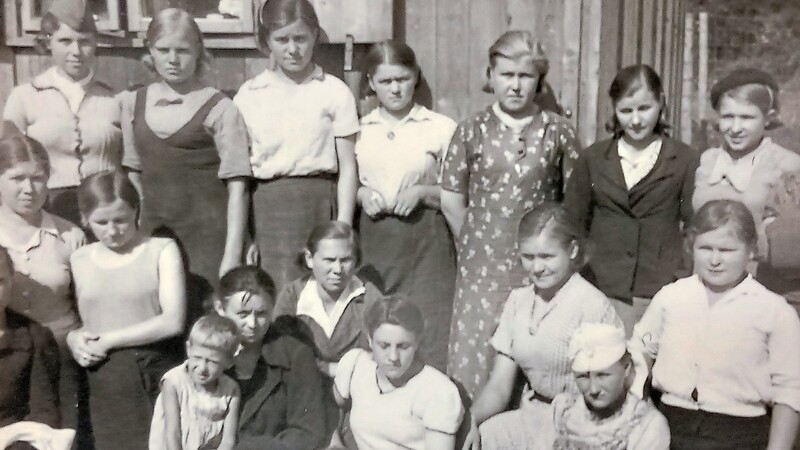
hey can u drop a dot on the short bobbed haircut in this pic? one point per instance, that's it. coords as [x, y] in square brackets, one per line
[104, 188]
[719, 213]
[395, 310]
[18, 148]
[276, 14]
[629, 80]
[391, 52]
[552, 218]
[175, 20]
[49, 25]
[517, 44]
[248, 279]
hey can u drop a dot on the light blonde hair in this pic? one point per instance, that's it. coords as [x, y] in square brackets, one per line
[174, 20]
[516, 44]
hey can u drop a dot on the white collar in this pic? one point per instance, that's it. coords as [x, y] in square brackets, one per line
[269, 77]
[418, 113]
[310, 304]
[518, 125]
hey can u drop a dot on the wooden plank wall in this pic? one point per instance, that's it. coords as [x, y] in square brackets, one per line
[587, 42]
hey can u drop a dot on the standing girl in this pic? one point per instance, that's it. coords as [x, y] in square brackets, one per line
[40, 245]
[186, 149]
[124, 341]
[68, 109]
[302, 125]
[725, 347]
[198, 406]
[502, 161]
[535, 329]
[404, 236]
[632, 193]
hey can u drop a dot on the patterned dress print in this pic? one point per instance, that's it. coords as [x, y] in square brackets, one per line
[502, 174]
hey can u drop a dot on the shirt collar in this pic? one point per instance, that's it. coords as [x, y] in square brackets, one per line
[269, 77]
[737, 172]
[51, 79]
[309, 299]
[746, 287]
[631, 154]
[418, 113]
[49, 224]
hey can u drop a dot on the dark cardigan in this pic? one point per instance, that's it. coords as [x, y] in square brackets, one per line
[636, 234]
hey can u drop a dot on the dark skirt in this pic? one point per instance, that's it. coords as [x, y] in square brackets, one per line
[414, 256]
[122, 394]
[702, 430]
[285, 210]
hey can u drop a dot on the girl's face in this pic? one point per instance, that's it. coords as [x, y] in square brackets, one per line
[393, 349]
[548, 261]
[73, 52]
[638, 114]
[6, 279]
[250, 312]
[23, 188]
[114, 225]
[721, 257]
[603, 389]
[514, 84]
[292, 47]
[741, 123]
[394, 85]
[206, 364]
[332, 265]
[175, 56]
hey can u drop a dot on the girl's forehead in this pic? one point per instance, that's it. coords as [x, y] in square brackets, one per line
[247, 301]
[178, 35]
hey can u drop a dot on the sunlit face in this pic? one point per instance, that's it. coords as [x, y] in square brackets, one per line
[175, 56]
[114, 225]
[250, 312]
[292, 47]
[394, 86]
[638, 114]
[205, 365]
[393, 349]
[73, 52]
[721, 258]
[23, 188]
[332, 265]
[6, 280]
[605, 388]
[548, 261]
[741, 123]
[514, 84]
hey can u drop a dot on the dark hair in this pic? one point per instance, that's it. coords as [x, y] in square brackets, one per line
[760, 95]
[389, 52]
[49, 24]
[553, 217]
[171, 20]
[718, 213]
[250, 279]
[215, 332]
[629, 80]
[104, 188]
[277, 14]
[18, 149]
[333, 229]
[395, 310]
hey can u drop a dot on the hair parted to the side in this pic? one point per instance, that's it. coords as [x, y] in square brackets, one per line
[275, 14]
[396, 310]
[391, 52]
[215, 332]
[18, 148]
[249, 279]
[629, 80]
[718, 213]
[516, 44]
[332, 229]
[761, 96]
[175, 20]
[553, 218]
[104, 188]
[48, 25]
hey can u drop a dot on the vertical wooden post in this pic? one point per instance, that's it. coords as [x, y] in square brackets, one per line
[702, 65]
[688, 80]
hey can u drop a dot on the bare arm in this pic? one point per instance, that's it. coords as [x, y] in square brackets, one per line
[783, 428]
[231, 425]
[495, 396]
[348, 178]
[172, 416]
[238, 207]
[454, 208]
[171, 297]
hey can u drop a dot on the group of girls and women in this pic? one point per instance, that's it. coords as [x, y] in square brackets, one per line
[181, 270]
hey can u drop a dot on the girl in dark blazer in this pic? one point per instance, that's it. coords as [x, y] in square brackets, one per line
[632, 193]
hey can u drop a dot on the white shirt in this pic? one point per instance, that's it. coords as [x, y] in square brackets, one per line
[636, 164]
[293, 126]
[72, 90]
[392, 157]
[741, 354]
[310, 304]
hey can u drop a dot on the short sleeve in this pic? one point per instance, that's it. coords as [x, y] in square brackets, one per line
[345, 370]
[230, 137]
[455, 170]
[345, 114]
[130, 157]
[503, 339]
[443, 410]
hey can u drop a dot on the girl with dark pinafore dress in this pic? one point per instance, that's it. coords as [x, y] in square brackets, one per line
[186, 149]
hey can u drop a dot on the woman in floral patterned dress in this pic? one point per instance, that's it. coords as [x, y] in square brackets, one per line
[501, 162]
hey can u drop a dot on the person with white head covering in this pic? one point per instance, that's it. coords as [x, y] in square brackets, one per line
[607, 416]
